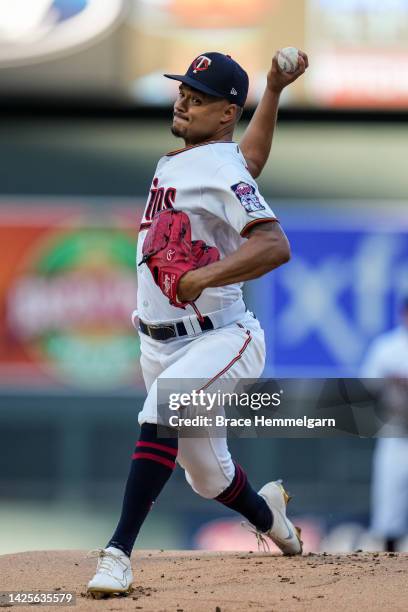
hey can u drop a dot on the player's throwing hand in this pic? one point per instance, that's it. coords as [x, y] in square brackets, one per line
[278, 79]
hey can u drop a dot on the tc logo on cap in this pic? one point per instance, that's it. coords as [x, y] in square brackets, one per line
[202, 62]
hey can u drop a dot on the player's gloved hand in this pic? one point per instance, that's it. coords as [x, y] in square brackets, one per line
[170, 253]
[204, 254]
[278, 80]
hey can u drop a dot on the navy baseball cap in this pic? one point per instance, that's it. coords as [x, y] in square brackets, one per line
[218, 75]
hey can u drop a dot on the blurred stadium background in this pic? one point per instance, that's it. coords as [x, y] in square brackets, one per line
[84, 118]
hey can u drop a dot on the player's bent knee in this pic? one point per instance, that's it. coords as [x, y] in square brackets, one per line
[208, 487]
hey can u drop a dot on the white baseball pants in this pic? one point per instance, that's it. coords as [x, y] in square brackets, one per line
[233, 351]
[389, 494]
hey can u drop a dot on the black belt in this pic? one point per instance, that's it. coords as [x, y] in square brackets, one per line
[172, 330]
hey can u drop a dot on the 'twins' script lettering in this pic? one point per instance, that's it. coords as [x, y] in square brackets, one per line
[160, 199]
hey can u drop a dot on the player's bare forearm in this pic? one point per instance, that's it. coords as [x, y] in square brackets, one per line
[257, 140]
[266, 249]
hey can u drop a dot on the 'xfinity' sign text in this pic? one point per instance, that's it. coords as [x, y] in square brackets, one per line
[340, 290]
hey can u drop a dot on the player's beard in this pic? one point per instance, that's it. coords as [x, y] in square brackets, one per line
[179, 128]
[176, 132]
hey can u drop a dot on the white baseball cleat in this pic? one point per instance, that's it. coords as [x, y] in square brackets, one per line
[283, 533]
[113, 573]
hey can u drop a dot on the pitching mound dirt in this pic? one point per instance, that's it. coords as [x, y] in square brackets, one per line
[222, 582]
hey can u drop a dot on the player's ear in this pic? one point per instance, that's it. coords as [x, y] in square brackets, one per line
[229, 114]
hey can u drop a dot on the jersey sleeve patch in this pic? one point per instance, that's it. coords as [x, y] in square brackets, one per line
[247, 196]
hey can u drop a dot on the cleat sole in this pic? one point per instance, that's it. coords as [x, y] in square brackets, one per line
[98, 594]
[299, 535]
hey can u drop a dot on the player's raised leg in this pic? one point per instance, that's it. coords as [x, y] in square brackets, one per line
[212, 474]
[207, 462]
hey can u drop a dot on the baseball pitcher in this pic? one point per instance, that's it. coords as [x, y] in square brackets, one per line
[205, 230]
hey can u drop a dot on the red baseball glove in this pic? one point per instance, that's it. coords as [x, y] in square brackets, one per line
[169, 252]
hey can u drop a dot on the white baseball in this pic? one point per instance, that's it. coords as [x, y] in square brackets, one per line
[288, 59]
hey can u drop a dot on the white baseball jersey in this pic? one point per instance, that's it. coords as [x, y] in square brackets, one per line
[388, 355]
[212, 184]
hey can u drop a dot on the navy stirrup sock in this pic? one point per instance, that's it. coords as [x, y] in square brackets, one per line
[242, 498]
[153, 463]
